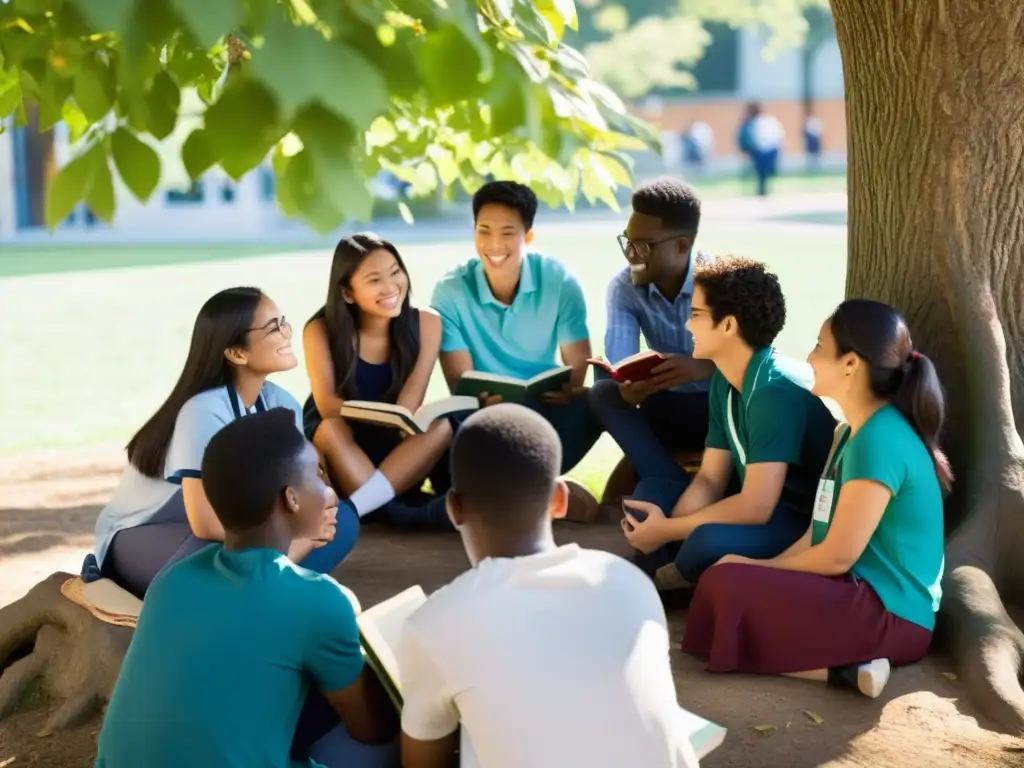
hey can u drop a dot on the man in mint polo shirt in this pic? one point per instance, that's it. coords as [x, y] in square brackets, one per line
[764, 425]
[510, 312]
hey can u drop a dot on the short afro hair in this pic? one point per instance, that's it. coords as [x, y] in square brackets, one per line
[519, 197]
[672, 200]
[746, 290]
[248, 463]
[505, 462]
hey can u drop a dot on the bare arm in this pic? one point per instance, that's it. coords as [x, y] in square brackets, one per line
[365, 709]
[859, 509]
[320, 369]
[708, 486]
[575, 355]
[201, 517]
[439, 753]
[415, 387]
[751, 506]
[454, 364]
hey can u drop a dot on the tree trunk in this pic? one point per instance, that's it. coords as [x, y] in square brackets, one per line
[936, 208]
[47, 640]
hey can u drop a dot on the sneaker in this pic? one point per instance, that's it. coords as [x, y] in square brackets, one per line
[583, 507]
[668, 578]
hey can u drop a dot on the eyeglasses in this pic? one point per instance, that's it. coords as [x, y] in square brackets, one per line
[643, 248]
[274, 325]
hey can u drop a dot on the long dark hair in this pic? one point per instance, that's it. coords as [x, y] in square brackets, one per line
[342, 319]
[897, 372]
[223, 323]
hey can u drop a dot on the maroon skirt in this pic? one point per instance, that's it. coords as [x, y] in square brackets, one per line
[751, 618]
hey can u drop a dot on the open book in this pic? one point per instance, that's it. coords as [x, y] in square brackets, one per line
[380, 628]
[391, 415]
[636, 367]
[511, 389]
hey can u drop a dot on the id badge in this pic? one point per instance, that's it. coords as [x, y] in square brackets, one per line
[823, 500]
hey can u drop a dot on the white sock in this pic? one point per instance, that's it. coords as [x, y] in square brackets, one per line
[372, 495]
[872, 677]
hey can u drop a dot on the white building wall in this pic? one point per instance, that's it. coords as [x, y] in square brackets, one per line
[7, 213]
[780, 77]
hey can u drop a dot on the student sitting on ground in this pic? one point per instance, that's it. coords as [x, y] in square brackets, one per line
[231, 639]
[546, 655]
[369, 343]
[159, 512]
[651, 295]
[509, 311]
[764, 425]
[869, 567]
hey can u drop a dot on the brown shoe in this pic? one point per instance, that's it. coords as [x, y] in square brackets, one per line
[583, 507]
[668, 578]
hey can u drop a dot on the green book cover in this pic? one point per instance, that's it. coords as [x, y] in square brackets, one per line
[511, 389]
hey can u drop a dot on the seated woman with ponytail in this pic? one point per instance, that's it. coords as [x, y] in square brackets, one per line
[369, 343]
[860, 590]
[159, 513]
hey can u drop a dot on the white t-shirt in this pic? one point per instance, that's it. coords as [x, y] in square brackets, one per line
[766, 133]
[139, 498]
[555, 660]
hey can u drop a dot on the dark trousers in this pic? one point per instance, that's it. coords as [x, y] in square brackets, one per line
[136, 555]
[765, 166]
[576, 427]
[710, 542]
[649, 433]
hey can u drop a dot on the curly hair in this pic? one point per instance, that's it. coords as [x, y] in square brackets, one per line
[673, 201]
[746, 290]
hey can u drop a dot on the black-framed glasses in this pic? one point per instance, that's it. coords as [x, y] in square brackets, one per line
[643, 248]
[274, 325]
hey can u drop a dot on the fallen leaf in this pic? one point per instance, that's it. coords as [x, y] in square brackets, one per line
[948, 675]
[814, 717]
[764, 730]
[7, 762]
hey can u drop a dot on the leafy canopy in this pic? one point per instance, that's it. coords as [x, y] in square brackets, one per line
[437, 91]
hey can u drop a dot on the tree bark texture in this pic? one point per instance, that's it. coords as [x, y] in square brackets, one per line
[47, 640]
[935, 113]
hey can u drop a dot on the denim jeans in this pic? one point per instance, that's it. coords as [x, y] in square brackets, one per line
[576, 426]
[708, 543]
[665, 422]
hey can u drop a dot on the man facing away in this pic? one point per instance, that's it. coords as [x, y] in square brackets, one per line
[652, 295]
[547, 656]
[765, 425]
[510, 311]
[233, 638]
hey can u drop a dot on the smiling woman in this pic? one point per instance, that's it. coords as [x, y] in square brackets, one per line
[159, 512]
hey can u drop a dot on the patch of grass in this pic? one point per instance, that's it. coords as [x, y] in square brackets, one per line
[90, 355]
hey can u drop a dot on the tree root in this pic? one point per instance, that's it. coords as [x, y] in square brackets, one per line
[74, 657]
[987, 645]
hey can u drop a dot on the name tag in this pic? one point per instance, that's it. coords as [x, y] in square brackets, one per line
[823, 500]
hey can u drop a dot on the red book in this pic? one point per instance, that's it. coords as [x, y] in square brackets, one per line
[637, 367]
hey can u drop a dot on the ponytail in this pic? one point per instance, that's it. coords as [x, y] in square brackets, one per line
[920, 399]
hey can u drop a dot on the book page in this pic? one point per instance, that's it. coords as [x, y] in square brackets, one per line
[382, 624]
[429, 413]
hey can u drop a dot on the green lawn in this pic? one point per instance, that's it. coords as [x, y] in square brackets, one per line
[88, 355]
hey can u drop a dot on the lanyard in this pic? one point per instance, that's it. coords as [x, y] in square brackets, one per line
[740, 450]
[836, 454]
[236, 405]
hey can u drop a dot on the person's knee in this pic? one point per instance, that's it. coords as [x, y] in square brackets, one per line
[702, 549]
[662, 491]
[604, 394]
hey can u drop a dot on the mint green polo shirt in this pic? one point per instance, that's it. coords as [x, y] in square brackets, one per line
[775, 418]
[519, 340]
[904, 559]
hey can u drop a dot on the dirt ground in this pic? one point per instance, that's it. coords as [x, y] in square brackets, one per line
[48, 503]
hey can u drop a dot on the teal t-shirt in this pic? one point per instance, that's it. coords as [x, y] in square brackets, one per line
[227, 646]
[904, 559]
[774, 419]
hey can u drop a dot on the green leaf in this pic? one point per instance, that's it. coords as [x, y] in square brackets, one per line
[335, 169]
[300, 66]
[108, 15]
[298, 185]
[33, 7]
[10, 92]
[68, 188]
[242, 126]
[559, 14]
[100, 197]
[506, 98]
[162, 104]
[188, 64]
[53, 92]
[406, 213]
[137, 163]
[197, 155]
[76, 122]
[450, 66]
[210, 20]
[94, 88]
